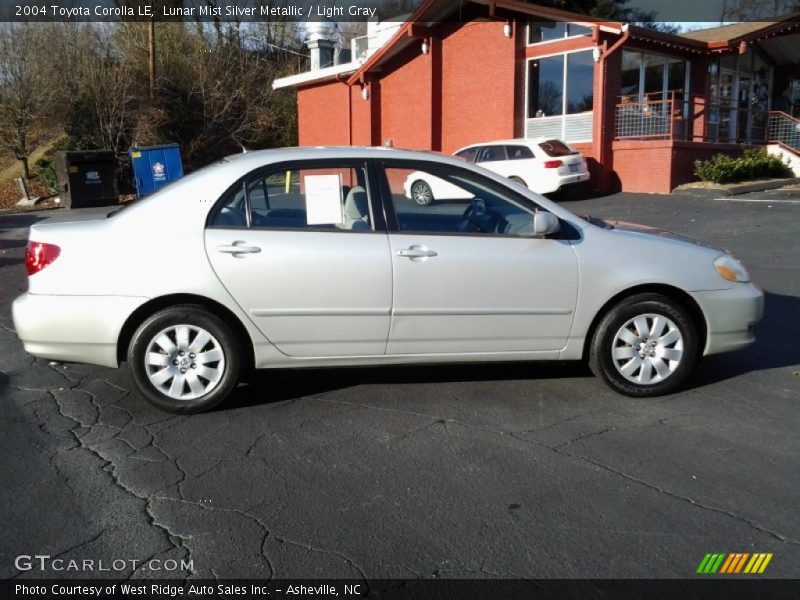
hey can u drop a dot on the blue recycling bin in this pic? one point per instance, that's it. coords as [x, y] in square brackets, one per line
[155, 166]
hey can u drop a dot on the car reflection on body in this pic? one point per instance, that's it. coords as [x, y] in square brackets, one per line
[315, 257]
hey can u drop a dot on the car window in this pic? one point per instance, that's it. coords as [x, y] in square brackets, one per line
[468, 154]
[556, 148]
[448, 200]
[490, 153]
[300, 198]
[518, 152]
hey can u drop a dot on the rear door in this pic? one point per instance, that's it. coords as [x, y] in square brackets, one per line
[304, 253]
[494, 158]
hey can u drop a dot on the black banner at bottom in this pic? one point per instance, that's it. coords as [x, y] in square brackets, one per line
[390, 589]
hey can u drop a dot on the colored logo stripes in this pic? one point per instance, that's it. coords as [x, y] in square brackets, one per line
[735, 562]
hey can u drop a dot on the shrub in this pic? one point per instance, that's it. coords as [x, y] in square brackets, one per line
[754, 163]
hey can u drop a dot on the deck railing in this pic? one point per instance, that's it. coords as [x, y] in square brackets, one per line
[783, 129]
[673, 115]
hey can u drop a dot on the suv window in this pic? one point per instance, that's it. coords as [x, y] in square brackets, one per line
[556, 148]
[299, 198]
[468, 154]
[519, 152]
[490, 153]
[461, 203]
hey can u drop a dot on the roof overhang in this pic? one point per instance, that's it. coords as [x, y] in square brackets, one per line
[336, 72]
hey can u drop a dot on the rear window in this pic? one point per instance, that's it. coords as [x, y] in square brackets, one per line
[556, 148]
[518, 152]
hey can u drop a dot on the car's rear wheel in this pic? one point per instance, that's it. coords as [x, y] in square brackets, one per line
[421, 193]
[184, 359]
[644, 346]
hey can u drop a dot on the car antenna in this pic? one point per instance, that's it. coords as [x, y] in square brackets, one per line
[244, 149]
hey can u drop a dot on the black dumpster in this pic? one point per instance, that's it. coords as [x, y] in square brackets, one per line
[87, 178]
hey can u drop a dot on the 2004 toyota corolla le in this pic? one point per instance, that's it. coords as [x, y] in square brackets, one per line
[315, 257]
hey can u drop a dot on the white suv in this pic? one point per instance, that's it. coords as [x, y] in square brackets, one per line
[543, 165]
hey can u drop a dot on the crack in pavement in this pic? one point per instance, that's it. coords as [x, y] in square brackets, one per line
[660, 489]
[558, 450]
[73, 387]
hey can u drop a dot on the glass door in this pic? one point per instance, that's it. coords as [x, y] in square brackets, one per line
[727, 120]
[744, 93]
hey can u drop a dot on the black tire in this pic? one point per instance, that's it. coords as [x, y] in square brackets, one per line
[421, 192]
[223, 339]
[519, 180]
[605, 340]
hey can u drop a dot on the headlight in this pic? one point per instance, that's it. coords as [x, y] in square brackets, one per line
[731, 269]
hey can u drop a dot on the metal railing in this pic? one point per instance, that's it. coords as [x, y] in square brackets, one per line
[672, 115]
[783, 129]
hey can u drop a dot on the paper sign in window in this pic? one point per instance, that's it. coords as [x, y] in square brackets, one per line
[323, 199]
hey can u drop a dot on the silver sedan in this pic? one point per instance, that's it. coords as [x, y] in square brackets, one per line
[315, 257]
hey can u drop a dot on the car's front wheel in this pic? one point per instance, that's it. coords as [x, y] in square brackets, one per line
[644, 346]
[184, 359]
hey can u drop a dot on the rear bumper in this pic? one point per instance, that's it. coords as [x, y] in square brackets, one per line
[731, 316]
[73, 328]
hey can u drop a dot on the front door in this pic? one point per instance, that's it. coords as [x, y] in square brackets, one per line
[469, 277]
[300, 250]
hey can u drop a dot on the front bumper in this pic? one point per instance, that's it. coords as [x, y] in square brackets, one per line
[731, 316]
[73, 328]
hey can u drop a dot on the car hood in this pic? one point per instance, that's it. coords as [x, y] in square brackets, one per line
[639, 229]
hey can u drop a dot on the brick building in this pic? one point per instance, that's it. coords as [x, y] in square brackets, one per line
[641, 105]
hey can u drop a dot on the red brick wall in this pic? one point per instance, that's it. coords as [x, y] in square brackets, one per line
[478, 84]
[323, 114]
[660, 166]
[405, 99]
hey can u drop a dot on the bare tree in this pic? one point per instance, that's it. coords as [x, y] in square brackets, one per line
[25, 95]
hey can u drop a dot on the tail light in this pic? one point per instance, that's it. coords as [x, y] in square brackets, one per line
[553, 164]
[38, 255]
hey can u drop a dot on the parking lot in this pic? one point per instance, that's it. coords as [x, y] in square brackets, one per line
[508, 470]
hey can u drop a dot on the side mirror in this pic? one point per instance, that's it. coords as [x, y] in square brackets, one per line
[545, 223]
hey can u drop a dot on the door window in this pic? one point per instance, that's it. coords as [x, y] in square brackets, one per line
[462, 203]
[315, 198]
[492, 153]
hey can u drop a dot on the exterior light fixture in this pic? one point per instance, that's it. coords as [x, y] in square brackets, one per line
[596, 54]
[425, 48]
[507, 29]
[365, 92]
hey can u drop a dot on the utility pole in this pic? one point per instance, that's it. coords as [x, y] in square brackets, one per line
[151, 46]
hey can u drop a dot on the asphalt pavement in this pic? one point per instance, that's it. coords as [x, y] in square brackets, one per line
[510, 470]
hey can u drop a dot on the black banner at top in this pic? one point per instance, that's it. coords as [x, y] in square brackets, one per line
[712, 12]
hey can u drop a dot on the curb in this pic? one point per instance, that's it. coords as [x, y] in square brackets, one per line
[737, 190]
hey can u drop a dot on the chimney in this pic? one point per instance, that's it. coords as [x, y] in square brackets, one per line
[320, 39]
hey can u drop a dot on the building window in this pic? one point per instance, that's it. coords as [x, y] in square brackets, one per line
[546, 87]
[654, 75]
[559, 85]
[550, 31]
[580, 82]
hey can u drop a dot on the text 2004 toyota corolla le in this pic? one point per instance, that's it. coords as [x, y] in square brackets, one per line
[315, 257]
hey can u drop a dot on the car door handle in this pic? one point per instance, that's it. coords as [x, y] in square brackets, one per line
[235, 248]
[417, 252]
